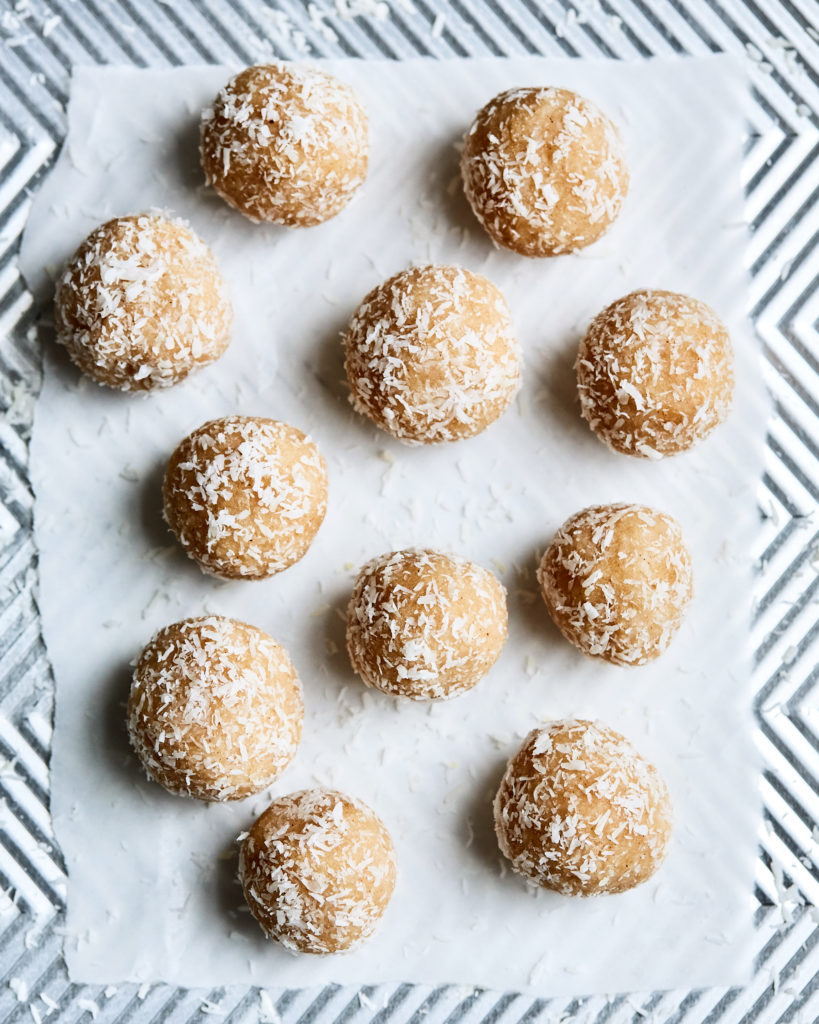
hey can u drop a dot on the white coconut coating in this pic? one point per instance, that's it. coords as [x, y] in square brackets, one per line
[544, 171]
[286, 144]
[142, 303]
[425, 625]
[318, 870]
[655, 373]
[245, 496]
[431, 355]
[580, 812]
[215, 710]
[617, 580]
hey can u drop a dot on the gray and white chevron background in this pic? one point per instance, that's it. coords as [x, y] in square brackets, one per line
[40, 40]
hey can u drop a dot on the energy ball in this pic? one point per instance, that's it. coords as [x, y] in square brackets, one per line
[318, 870]
[142, 303]
[655, 373]
[431, 355]
[285, 144]
[617, 580]
[215, 710]
[580, 812]
[543, 171]
[424, 625]
[245, 496]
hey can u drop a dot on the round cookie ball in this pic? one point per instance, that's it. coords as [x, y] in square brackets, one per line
[245, 496]
[617, 581]
[431, 355]
[318, 870]
[580, 812]
[285, 144]
[142, 303]
[424, 625]
[655, 373]
[543, 171]
[215, 710]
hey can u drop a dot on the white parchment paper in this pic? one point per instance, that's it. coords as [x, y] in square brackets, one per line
[152, 893]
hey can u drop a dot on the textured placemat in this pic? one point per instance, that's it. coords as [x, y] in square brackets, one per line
[39, 42]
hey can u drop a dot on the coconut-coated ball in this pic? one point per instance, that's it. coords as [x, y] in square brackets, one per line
[655, 373]
[431, 355]
[245, 496]
[580, 812]
[142, 303]
[544, 171]
[425, 625]
[285, 144]
[617, 581]
[318, 870]
[215, 710]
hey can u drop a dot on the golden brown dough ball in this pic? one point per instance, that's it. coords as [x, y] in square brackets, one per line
[286, 144]
[431, 355]
[579, 811]
[655, 373]
[245, 496]
[142, 303]
[617, 581]
[425, 625]
[215, 710]
[318, 870]
[543, 171]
